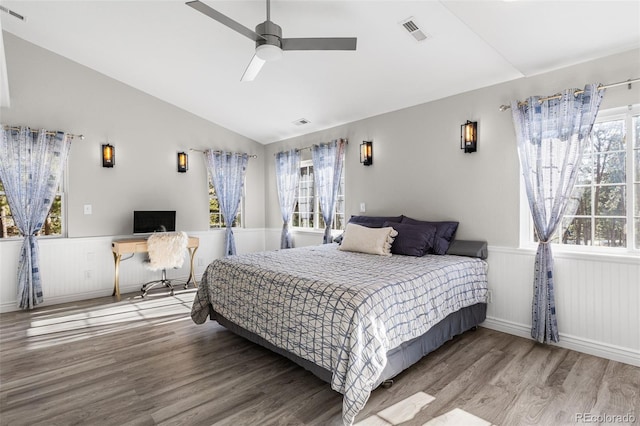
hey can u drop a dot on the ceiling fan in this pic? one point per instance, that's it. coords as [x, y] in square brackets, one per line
[269, 41]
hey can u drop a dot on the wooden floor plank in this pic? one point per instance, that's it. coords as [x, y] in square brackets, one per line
[144, 362]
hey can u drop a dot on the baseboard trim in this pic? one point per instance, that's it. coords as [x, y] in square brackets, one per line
[12, 306]
[49, 301]
[603, 350]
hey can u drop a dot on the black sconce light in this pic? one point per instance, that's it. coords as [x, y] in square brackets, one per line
[108, 155]
[366, 153]
[183, 162]
[469, 136]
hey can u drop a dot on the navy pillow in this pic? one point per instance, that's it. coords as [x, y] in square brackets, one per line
[413, 240]
[444, 234]
[374, 221]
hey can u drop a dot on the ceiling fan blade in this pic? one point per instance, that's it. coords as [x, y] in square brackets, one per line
[253, 69]
[224, 20]
[336, 43]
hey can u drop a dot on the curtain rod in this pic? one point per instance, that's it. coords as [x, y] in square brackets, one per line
[576, 93]
[220, 152]
[71, 135]
[346, 141]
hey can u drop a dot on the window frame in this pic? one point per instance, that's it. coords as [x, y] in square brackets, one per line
[317, 217]
[527, 233]
[61, 192]
[241, 213]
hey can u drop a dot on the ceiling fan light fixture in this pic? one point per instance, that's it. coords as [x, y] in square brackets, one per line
[268, 52]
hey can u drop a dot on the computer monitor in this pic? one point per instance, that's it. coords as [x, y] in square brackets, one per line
[146, 222]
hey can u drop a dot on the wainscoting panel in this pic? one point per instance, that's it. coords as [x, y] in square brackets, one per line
[82, 268]
[597, 300]
[597, 297]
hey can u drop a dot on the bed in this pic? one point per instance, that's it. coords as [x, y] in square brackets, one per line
[353, 319]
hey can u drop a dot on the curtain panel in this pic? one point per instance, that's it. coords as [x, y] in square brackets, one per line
[31, 166]
[327, 168]
[551, 136]
[287, 181]
[227, 171]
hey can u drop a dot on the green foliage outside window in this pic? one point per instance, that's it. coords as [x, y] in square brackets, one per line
[605, 187]
[52, 225]
[216, 220]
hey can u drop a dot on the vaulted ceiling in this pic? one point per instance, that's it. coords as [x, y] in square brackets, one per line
[171, 51]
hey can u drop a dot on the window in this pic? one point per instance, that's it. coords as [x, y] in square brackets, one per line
[307, 213]
[53, 225]
[215, 216]
[607, 191]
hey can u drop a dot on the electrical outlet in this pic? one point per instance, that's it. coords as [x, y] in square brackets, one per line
[88, 209]
[489, 296]
[87, 275]
[363, 208]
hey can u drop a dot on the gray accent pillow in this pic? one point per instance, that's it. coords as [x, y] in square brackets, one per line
[469, 248]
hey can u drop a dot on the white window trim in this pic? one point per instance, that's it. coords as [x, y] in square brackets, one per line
[526, 221]
[64, 210]
[316, 212]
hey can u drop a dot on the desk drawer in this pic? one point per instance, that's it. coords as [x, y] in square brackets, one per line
[124, 247]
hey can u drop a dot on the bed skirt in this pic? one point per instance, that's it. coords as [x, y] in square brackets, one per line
[398, 359]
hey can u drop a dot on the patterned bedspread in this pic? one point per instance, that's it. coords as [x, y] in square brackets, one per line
[341, 310]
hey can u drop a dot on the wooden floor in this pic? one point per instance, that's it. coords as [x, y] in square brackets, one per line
[144, 362]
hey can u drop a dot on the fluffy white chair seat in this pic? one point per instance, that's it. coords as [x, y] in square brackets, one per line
[166, 250]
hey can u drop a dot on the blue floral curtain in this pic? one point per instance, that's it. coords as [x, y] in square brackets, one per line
[551, 137]
[227, 172]
[31, 165]
[327, 169]
[287, 179]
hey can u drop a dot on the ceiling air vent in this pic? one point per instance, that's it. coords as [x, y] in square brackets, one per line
[301, 121]
[412, 28]
[12, 13]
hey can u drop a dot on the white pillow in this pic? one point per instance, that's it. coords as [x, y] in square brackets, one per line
[368, 240]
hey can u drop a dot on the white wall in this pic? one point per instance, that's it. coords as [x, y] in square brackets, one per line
[418, 169]
[53, 92]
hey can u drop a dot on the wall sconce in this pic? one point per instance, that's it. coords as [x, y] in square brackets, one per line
[366, 153]
[183, 162]
[469, 136]
[108, 155]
